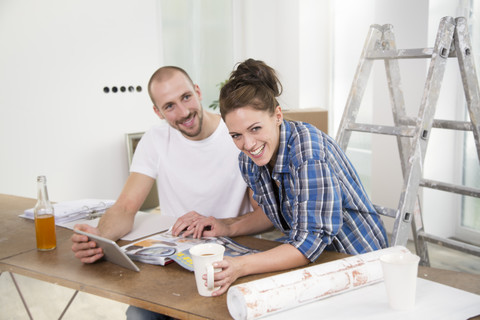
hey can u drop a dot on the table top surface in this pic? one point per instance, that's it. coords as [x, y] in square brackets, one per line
[167, 289]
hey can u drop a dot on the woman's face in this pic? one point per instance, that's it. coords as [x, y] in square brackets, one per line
[256, 133]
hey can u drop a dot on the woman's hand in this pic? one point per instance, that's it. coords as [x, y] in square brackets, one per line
[282, 257]
[185, 222]
[231, 271]
[208, 227]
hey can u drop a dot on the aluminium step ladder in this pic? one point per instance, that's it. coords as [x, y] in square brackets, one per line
[412, 134]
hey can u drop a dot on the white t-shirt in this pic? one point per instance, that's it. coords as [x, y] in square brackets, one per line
[201, 176]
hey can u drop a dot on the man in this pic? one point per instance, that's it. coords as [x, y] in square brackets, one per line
[193, 160]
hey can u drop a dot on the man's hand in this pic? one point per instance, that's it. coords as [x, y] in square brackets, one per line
[86, 250]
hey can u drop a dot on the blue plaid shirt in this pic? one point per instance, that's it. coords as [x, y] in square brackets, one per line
[320, 198]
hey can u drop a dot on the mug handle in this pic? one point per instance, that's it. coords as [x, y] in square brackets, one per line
[210, 276]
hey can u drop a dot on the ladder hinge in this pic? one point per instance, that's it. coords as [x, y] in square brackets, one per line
[425, 134]
[444, 53]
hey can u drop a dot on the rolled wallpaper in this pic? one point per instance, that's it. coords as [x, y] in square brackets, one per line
[284, 291]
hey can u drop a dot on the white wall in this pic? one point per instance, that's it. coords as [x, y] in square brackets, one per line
[270, 33]
[315, 54]
[197, 36]
[293, 38]
[55, 120]
[58, 55]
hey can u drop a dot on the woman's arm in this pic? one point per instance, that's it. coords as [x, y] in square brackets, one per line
[251, 223]
[283, 257]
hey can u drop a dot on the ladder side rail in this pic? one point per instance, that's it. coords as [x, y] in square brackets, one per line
[469, 77]
[424, 124]
[417, 228]
[357, 90]
[397, 101]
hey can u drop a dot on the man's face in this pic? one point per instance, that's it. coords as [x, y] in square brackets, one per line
[178, 102]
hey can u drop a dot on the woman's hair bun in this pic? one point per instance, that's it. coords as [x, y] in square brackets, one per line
[256, 73]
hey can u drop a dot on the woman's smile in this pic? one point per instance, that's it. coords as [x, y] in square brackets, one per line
[256, 133]
[257, 153]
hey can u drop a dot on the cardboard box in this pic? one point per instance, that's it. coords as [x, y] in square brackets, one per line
[317, 117]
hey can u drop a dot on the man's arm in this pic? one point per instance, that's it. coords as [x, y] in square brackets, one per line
[117, 221]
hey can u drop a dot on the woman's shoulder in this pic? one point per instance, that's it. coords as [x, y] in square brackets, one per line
[306, 141]
[305, 133]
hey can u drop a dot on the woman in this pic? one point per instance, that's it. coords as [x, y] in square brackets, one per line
[302, 180]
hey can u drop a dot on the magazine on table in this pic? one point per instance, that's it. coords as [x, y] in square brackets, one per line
[164, 248]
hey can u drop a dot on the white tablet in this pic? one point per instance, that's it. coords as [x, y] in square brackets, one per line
[111, 251]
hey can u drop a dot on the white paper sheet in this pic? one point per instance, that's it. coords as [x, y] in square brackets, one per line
[291, 289]
[145, 224]
[433, 301]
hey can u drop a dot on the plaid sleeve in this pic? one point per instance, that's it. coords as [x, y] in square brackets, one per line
[317, 210]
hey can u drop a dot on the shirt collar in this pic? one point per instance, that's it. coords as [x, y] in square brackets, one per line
[281, 165]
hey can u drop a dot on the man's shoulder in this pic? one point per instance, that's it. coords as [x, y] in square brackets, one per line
[158, 130]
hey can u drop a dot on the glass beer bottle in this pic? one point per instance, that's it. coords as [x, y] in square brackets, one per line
[44, 218]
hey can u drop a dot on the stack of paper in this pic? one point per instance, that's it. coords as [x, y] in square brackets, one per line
[75, 210]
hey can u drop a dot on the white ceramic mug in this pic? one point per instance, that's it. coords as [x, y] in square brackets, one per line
[203, 256]
[400, 276]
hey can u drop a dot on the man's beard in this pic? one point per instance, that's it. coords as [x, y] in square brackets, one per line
[196, 132]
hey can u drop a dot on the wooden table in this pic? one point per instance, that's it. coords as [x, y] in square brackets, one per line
[167, 289]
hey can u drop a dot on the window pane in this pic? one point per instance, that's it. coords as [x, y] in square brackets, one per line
[197, 36]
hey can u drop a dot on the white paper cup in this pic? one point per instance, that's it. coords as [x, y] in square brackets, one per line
[400, 275]
[203, 256]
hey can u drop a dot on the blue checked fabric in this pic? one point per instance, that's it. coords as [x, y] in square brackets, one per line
[321, 198]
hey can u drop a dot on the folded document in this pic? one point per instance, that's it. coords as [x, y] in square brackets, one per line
[75, 210]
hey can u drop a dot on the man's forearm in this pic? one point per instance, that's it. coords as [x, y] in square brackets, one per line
[118, 220]
[115, 223]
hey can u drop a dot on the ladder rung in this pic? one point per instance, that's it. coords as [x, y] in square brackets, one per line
[385, 211]
[455, 125]
[449, 243]
[466, 191]
[380, 129]
[400, 54]
[403, 54]
[442, 124]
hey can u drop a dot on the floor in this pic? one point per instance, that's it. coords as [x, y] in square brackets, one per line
[47, 301]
